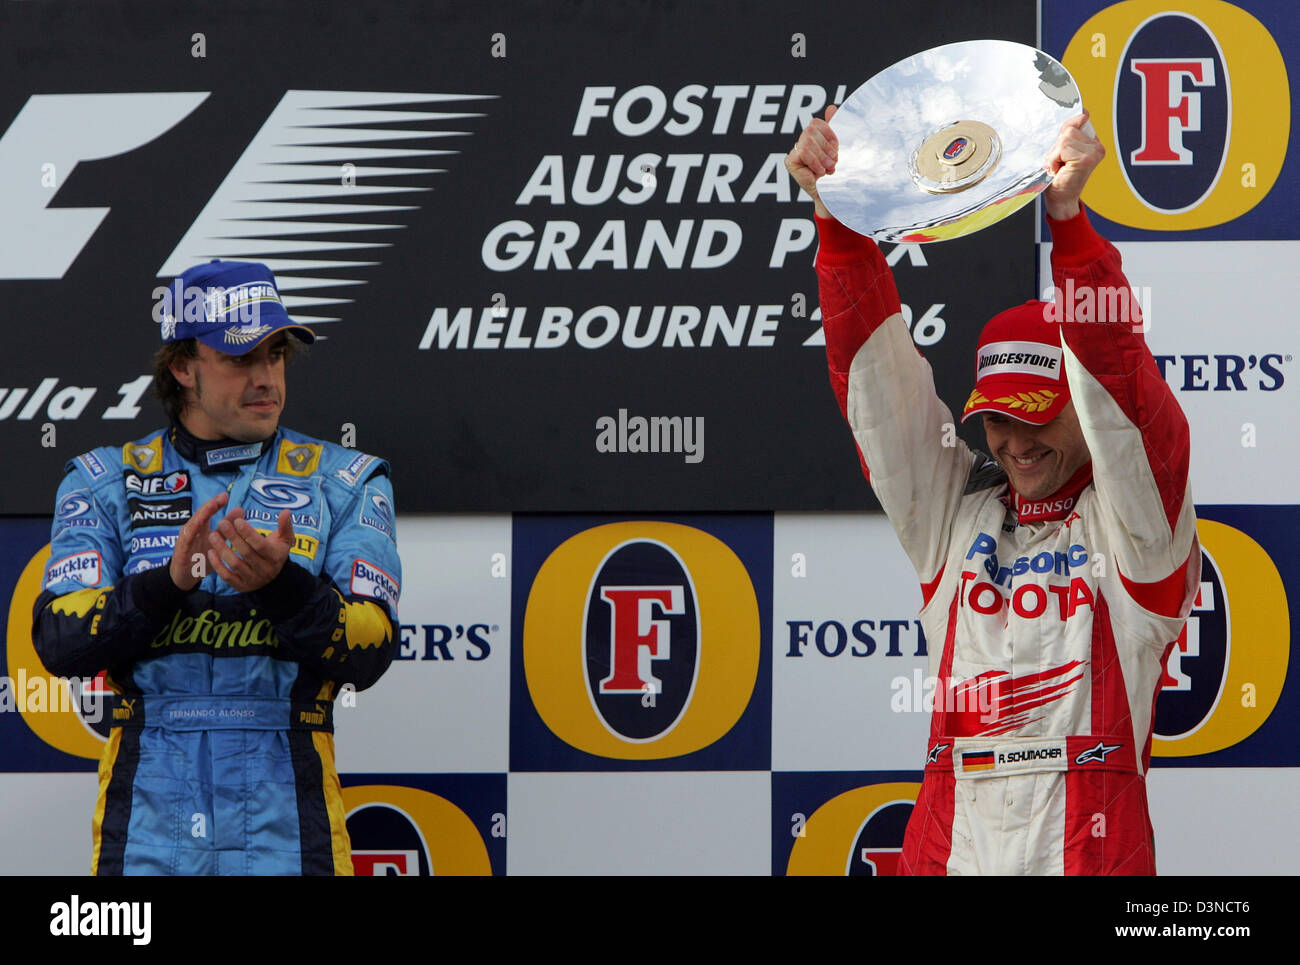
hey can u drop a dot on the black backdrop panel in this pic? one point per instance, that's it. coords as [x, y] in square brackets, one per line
[511, 424]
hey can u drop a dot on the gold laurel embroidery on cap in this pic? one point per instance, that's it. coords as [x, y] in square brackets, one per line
[976, 398]
[241, 336]
[1029, 401]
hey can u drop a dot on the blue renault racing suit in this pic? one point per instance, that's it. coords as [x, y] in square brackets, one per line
[221, 756]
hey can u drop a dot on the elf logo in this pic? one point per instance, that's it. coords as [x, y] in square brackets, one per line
[157, 485]
[1193, 103]
[642, 640]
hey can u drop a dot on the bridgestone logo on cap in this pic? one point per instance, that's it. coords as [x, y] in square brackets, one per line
[1020, 358]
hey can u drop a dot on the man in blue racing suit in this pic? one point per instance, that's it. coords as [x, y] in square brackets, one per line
[232, 576]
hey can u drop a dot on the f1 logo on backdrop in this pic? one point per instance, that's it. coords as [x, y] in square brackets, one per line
[641, 641]
[53, 133]
[1192, 103]
[1224, 675]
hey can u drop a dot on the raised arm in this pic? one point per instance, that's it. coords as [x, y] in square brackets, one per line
[1136, 432]
[905, 434]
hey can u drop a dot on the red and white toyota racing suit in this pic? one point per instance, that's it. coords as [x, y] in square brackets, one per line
[1055, 617]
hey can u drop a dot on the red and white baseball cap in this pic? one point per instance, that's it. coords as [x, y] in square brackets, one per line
[1019, 367]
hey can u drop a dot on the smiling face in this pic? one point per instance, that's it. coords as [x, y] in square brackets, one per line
[236, 397]
[1038, 459]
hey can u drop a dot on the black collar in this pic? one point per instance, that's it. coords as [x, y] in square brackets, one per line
[215, 455]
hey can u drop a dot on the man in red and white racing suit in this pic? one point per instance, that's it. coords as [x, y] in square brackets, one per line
[1057, 576]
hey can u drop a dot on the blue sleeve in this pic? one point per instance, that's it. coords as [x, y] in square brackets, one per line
[342, 623]
[89, 617]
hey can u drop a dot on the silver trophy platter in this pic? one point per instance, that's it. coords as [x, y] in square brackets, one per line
[948, 141]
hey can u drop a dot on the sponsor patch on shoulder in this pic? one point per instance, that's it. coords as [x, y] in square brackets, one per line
[298, 458]
[77, 510]
[370, 580]
[84, 568]
[147, 458]
[355, 471]
[94, 465]
[377, 512]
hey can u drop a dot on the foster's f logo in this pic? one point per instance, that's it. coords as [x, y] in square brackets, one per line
[1167, 108]
[636, 638]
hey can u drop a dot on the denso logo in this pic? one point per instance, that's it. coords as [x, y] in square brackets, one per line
[642, 640]
[1030, 508]
[1223, 373]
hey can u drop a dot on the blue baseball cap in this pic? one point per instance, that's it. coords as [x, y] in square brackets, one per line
[231, 306]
